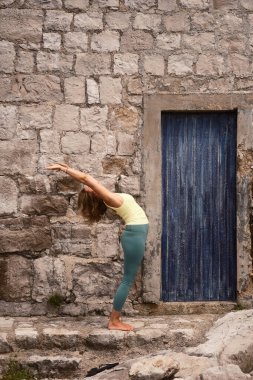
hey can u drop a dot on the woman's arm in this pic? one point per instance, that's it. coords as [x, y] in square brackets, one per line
[101, 191]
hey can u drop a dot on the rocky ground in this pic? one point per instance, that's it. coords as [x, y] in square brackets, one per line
[160, 347]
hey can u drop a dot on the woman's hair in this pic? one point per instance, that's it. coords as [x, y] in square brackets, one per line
[90, 206]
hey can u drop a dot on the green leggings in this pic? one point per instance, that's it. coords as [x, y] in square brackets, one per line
[133, 242]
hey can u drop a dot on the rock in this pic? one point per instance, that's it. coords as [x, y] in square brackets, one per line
[15, 278]
[148, 335]
[227, 372]
[21, 25]
[8, 196]
[230, 339]
[26, 336]
[4, 345]
[61, 337]
[106, 338]
[53, 365]
[46, 205]
[8, 122]
[156, 368]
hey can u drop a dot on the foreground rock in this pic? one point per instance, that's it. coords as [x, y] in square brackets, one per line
[230, 340]
[226, 355]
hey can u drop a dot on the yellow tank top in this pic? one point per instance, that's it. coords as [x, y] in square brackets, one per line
[130, 211]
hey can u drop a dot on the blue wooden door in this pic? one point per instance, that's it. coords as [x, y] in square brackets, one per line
[199, 206]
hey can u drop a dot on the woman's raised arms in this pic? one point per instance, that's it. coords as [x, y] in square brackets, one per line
[110, 198]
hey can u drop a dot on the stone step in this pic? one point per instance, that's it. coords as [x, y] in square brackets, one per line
[67, 334]
[67, 365]
[68, 347]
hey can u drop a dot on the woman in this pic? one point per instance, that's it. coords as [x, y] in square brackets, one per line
[93, 201]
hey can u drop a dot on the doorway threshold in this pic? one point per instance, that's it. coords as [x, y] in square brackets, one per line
[180, 308]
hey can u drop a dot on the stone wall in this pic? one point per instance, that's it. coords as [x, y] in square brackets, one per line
[73, 74]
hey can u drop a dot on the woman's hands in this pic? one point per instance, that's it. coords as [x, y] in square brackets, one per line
[63, 167]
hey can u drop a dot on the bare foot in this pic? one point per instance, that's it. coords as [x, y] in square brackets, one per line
[118, 325]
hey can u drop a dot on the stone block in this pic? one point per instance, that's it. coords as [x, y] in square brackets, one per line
[26, 336]
[88, 21]
[230, 23]
[124, 118]
[136, 40]
[154, 64]
[49, 278]
[16, 275]
[114, 165]
[44, 204]
[54, 365]
[147, 22]
[58, 20]
[94, 119]
[75, 41]
[199, 42]
[34, 184]
[107, 243]
[95, 281]
[49, 141]
[105, 338]
[130, 185]
[180, 64]
[61, 337]
[8, 196]
[25, 62]
[107, 41]
[74, 89]
[97, 143]
[80, 232]
[6, 324]
[142, 5]
[30, 88]
[167, 6]
[42, 4]
[8, 122]
[225, 4]
[179, 22]
[210, 65]
[19, 309]
[126, 144]
[247, 4]
[51, 61]
[159, 367]
[92, 91]
[5, 347]
[7, 53]
[134, 86]
[111, 144]
[52, 41]
[35, 116]
[114, 4]
[21, 25]
[19, 157]
[240, 65]
[110, 90]
[195, 4]
[203, 21]
[126, 63]
[66, 117]
[75, 143]
[117, 20]
[76, 4]
[168, 41]
[93, 64]
[25, 234]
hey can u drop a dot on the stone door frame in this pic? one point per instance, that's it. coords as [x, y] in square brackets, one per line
[154, 104]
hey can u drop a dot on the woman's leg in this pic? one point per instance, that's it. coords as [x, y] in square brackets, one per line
[133, 243]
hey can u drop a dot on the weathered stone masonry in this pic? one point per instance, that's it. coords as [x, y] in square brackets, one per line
[73, 77]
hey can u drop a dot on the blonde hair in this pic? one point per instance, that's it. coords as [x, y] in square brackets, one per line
[90, 206]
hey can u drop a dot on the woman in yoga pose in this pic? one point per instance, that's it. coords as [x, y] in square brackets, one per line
[93, 201]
